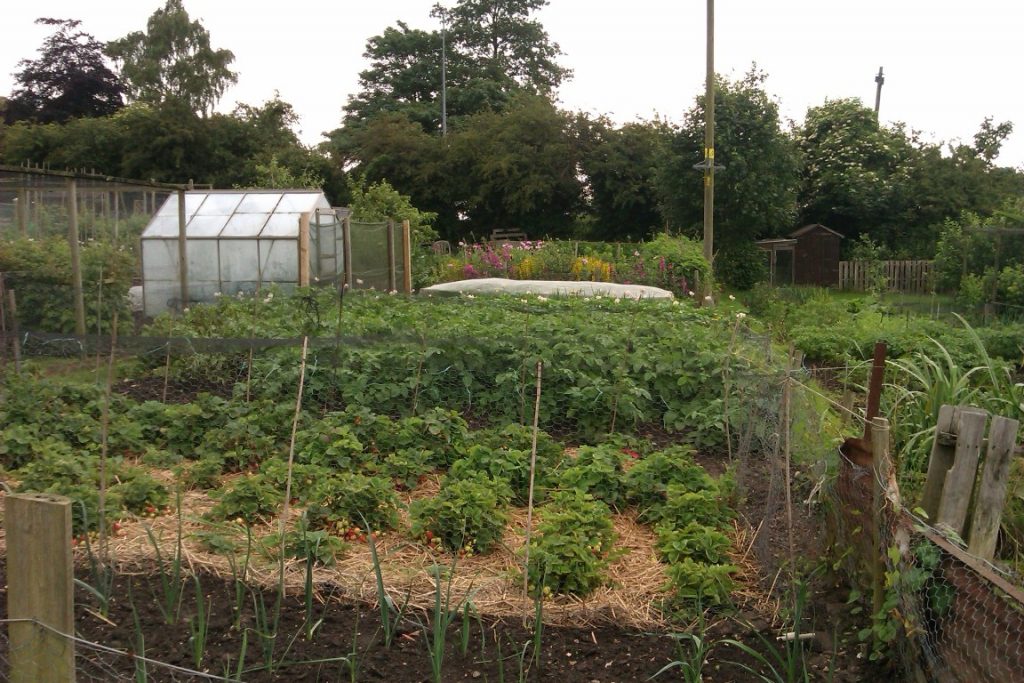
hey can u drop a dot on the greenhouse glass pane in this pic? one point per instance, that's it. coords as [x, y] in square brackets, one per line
[159, 260]
[158, 296]
[162, 226]
[298, 202]
[192, 202]
[282, 225]
[202, 261]
[219, 204]
[239, 261]
[206, 226]
[259, 203]
[280, 260]
[244, 225]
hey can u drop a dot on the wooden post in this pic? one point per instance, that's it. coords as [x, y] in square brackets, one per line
[988, 510]
[304, 250]
[406, 258]
[875, 387]
[959, 483]
[12, 312]
[21, 211]
[940, 460]
[392, 275]
[880, 466]
[76, 257]
[117, 212]
[39, 588]
[346, 251]
[182, 249]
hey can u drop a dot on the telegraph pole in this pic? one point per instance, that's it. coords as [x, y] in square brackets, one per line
[880, 80]
[709, 140]
[444, 77]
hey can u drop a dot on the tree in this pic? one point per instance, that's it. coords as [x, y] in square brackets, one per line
[493, 50]
[68, 80]
[173, 59]
[854, 169]
[620, 166]
[502, 38]
[755, 195]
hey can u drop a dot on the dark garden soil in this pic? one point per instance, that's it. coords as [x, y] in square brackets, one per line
[567, 654]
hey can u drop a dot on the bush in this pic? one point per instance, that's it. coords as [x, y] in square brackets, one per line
[466, 515]
[570, 551]
[741, 266]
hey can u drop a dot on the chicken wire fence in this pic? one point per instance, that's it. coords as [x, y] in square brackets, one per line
[946, 615]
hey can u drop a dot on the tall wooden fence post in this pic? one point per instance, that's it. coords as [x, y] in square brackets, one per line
[39, 588]
[406, 258]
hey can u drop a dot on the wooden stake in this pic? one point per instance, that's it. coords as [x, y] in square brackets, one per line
[959, 484]
[286, 509]
[182, 249]
[76, 258]
[875, 387]
[304, 250]
[529, 502]
[39, 588]
[880, 465]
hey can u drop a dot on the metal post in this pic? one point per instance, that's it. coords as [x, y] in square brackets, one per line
[76, 257]
[709, 139]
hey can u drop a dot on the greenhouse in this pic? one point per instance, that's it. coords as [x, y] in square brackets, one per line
[238, 241]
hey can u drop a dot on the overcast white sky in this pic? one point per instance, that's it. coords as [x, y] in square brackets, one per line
[947, 64]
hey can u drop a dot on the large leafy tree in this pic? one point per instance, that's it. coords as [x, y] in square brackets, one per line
[620, 165]
[70, 79]
[755, 195]
[493, 49]
[855, 171]
[173, 59]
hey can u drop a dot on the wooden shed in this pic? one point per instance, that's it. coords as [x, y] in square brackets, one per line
[816, 256]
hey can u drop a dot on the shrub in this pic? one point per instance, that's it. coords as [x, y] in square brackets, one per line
[569, 553]
[467, 514]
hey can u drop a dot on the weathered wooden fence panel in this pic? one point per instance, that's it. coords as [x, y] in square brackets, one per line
[911, 277]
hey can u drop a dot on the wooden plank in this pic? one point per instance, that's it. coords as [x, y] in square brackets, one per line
[39, 587]
[959, 484]
[988, 510]
[940, 461]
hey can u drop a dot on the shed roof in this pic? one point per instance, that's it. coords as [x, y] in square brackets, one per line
[807, 228]
[211, 214]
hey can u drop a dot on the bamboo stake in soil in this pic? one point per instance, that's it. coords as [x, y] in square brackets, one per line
[105, 429]
[291, 454]
[167, 372]
[786, 427]
[529, 502]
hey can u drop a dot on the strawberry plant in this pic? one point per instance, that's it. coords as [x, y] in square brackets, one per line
[704, 584]
[683, 507]
[466, 515]
[508, 465]
[352, 500]
[597, 470]
[572, 545]
[647, 482]
[139, 492]
[303, 543]
[406, 466]
[694, 541]
[201, 474]
[249, 498]
[331, 446]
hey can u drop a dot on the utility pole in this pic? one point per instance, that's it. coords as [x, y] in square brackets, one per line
[442, 13]
[880, 80]
[709, 140]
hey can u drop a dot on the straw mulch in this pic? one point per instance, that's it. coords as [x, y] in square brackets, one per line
[492, 582]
